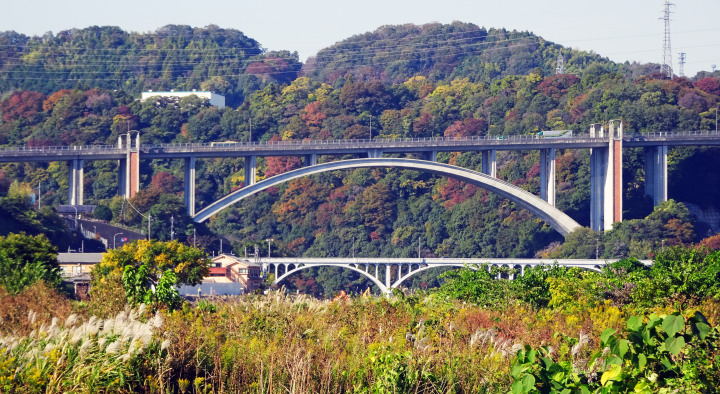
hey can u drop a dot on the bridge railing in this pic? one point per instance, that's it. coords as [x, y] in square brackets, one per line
[355, 142]
[374, 141]
[84, 148]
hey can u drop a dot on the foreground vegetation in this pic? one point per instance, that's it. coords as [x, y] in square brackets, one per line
[566, 329]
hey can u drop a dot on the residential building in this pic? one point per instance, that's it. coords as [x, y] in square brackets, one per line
[213, 98]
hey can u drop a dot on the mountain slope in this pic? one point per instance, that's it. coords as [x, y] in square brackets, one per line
[173, 57]
[442, 52]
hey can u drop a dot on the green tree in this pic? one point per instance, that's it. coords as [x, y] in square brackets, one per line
[189, 264]
[26, 259]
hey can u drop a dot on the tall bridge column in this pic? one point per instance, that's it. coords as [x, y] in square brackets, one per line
[489, 162]
[121, 171]
[310, 160]
[656, 173]
[606, 180]
[75, 182]
[374, 153]
[122, 177]
[547, 175]
[388, 280]
[189, 195]
[129, 178]
[430, 155]
[250, 170]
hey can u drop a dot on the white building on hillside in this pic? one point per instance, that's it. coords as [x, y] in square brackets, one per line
[214, 99]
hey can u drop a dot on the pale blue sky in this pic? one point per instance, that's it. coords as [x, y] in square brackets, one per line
[621, 30]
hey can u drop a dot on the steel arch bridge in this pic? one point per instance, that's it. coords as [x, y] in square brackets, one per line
[539, 207]
[404, 268]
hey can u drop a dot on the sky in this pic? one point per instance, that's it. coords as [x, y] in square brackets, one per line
[622, 30]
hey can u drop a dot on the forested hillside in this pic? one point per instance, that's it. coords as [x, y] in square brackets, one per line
[177, 57]
[446, 52]
[374, 212]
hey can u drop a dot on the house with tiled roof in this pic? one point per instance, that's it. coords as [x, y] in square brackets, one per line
[228, 275]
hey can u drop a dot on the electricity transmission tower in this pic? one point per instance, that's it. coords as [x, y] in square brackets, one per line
[560, 68]
[681, 71]
[666, 67]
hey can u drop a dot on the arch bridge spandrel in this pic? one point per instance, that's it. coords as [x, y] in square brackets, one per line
[391, 273]
[540, 208]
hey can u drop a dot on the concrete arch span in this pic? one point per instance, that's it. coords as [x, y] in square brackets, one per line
[373, 279]
[537, 206]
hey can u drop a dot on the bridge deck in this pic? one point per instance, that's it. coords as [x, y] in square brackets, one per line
[332, 147]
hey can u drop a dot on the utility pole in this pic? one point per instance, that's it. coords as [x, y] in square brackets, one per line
[666, 67]
[172, 227]
[194, 237]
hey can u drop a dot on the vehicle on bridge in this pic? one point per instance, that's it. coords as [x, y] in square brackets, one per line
[224, 143]
[554, 133]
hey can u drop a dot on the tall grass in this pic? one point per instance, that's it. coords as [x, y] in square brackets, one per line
[73, 356]
[278, 343]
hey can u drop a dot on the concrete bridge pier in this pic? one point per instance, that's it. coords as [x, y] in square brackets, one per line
[547, 175]
[129, 167]
[656, 173]
[606, 179]
[374, 153]
[75, 182]
[122, 177]
[189, 194]
[430, 155]
[310, 160]
[250, 170]
[489, 162]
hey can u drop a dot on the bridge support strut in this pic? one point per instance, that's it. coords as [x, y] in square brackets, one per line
[606, 184]
[656, 173]
[75, 182]
[489, 162]
[547, 175]
[250, 170]
[189, 195]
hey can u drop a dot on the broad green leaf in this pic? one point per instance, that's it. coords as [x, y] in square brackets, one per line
[665, 362]
[606, 334]
[634, 323]
[610, 374]
[547, 362]
[528, 383]
[673, 324]
[674, 345]
[517, 387]
[516, 370]
[700, 329]
[620, 348]
[614, 360]
[584, 389]
[642, 361]
[654, 321]
[531, 355]
[700, 318]
[643, 387]
[646, 336]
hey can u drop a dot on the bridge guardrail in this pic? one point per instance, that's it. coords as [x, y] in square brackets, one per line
[360, 143]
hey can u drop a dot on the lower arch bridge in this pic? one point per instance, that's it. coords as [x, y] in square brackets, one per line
[373, 267]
